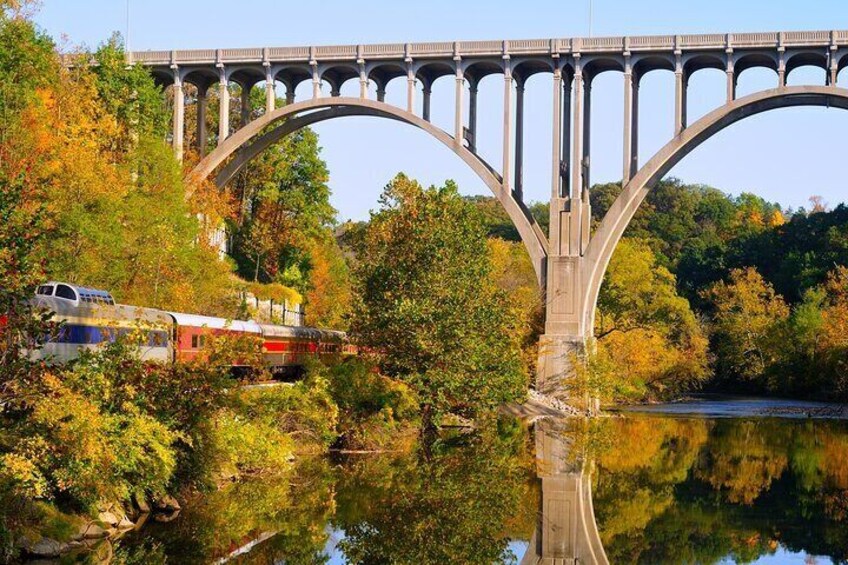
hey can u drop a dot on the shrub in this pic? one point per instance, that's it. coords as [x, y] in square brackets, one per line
[304, 410]
[247, 446]
[72, 444]
[372, 408]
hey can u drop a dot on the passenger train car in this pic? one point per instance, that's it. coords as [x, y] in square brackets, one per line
[91, 317]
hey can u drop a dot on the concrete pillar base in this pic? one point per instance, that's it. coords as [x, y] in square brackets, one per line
[556, 371]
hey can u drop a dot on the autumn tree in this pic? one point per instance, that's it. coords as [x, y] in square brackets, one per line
[117, 211]
[27, 65]
[650, 343]
[329, 297]
[513, 273]
[427, 305]
[283, 226]
[747, 314]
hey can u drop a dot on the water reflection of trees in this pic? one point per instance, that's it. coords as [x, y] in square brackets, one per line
[277, 517]
[662, 490]
[459, 501]
[670, 490]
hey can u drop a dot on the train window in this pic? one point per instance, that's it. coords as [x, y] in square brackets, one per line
[46, 290]
[64, 291]
[198, 341]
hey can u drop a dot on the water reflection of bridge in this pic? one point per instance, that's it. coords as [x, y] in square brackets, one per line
[566, 532]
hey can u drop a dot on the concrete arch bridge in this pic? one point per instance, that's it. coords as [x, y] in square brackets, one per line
[570, 261]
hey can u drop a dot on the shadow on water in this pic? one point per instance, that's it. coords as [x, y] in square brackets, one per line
[635, 489]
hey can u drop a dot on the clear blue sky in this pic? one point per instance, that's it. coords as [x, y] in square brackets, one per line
[786, 155]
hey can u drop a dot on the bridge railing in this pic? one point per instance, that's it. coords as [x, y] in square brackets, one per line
[530, 47]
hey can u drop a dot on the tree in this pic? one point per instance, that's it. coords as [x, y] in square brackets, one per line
[283, 226]
[747, 314]
[650, 342]
[21, 328]
[27, 63]
[426, 302]
[128, 93]
[513, 273]
[330, 295]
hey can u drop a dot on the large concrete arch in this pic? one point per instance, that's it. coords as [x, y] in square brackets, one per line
[250, 140]
[611, 228]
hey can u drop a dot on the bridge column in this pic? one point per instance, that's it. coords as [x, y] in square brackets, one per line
[518, 186]
[565, 150]
[245, 103]
[834, 65]
[472, 115]
[577, 164]
[731, 78]
[223, 109]
[507, 126]
[410, 91]
[270, 92]
[628, 121]
[179, 116]
[634, 128]
[289, 92]
[316, 81]
[425, 108]
[363, 81]
[202, 107]
[457, 122]
[679, 97]
[587, 133]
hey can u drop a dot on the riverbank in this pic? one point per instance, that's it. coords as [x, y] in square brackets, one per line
[727, 406]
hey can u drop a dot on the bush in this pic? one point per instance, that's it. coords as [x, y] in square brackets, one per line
[372, 408]
[73, 444]
[304, 410]
[245, 446]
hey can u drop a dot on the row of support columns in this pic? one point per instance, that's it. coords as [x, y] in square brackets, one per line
[202, 102]
[579, 174]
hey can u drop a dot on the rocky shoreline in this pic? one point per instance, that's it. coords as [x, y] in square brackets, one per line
[94, 536]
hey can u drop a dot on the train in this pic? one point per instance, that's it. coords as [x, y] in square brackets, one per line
[91, 317]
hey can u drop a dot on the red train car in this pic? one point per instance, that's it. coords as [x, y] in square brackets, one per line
[192, 331]
[288, 347]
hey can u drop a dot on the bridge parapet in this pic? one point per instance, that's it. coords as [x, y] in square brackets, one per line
[530, 47]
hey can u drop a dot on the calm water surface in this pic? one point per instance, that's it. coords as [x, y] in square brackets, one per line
[632, 489]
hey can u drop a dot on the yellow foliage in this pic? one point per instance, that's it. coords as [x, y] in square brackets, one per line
[513, 272]
[275, 291]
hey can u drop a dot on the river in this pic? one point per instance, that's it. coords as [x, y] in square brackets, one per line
[680, 483]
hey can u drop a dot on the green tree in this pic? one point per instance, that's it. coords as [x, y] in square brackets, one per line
[426, 302]
[746, 319]
[128, 93]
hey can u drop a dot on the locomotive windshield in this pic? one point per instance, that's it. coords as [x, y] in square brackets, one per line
[64, 291]
[45, 290]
